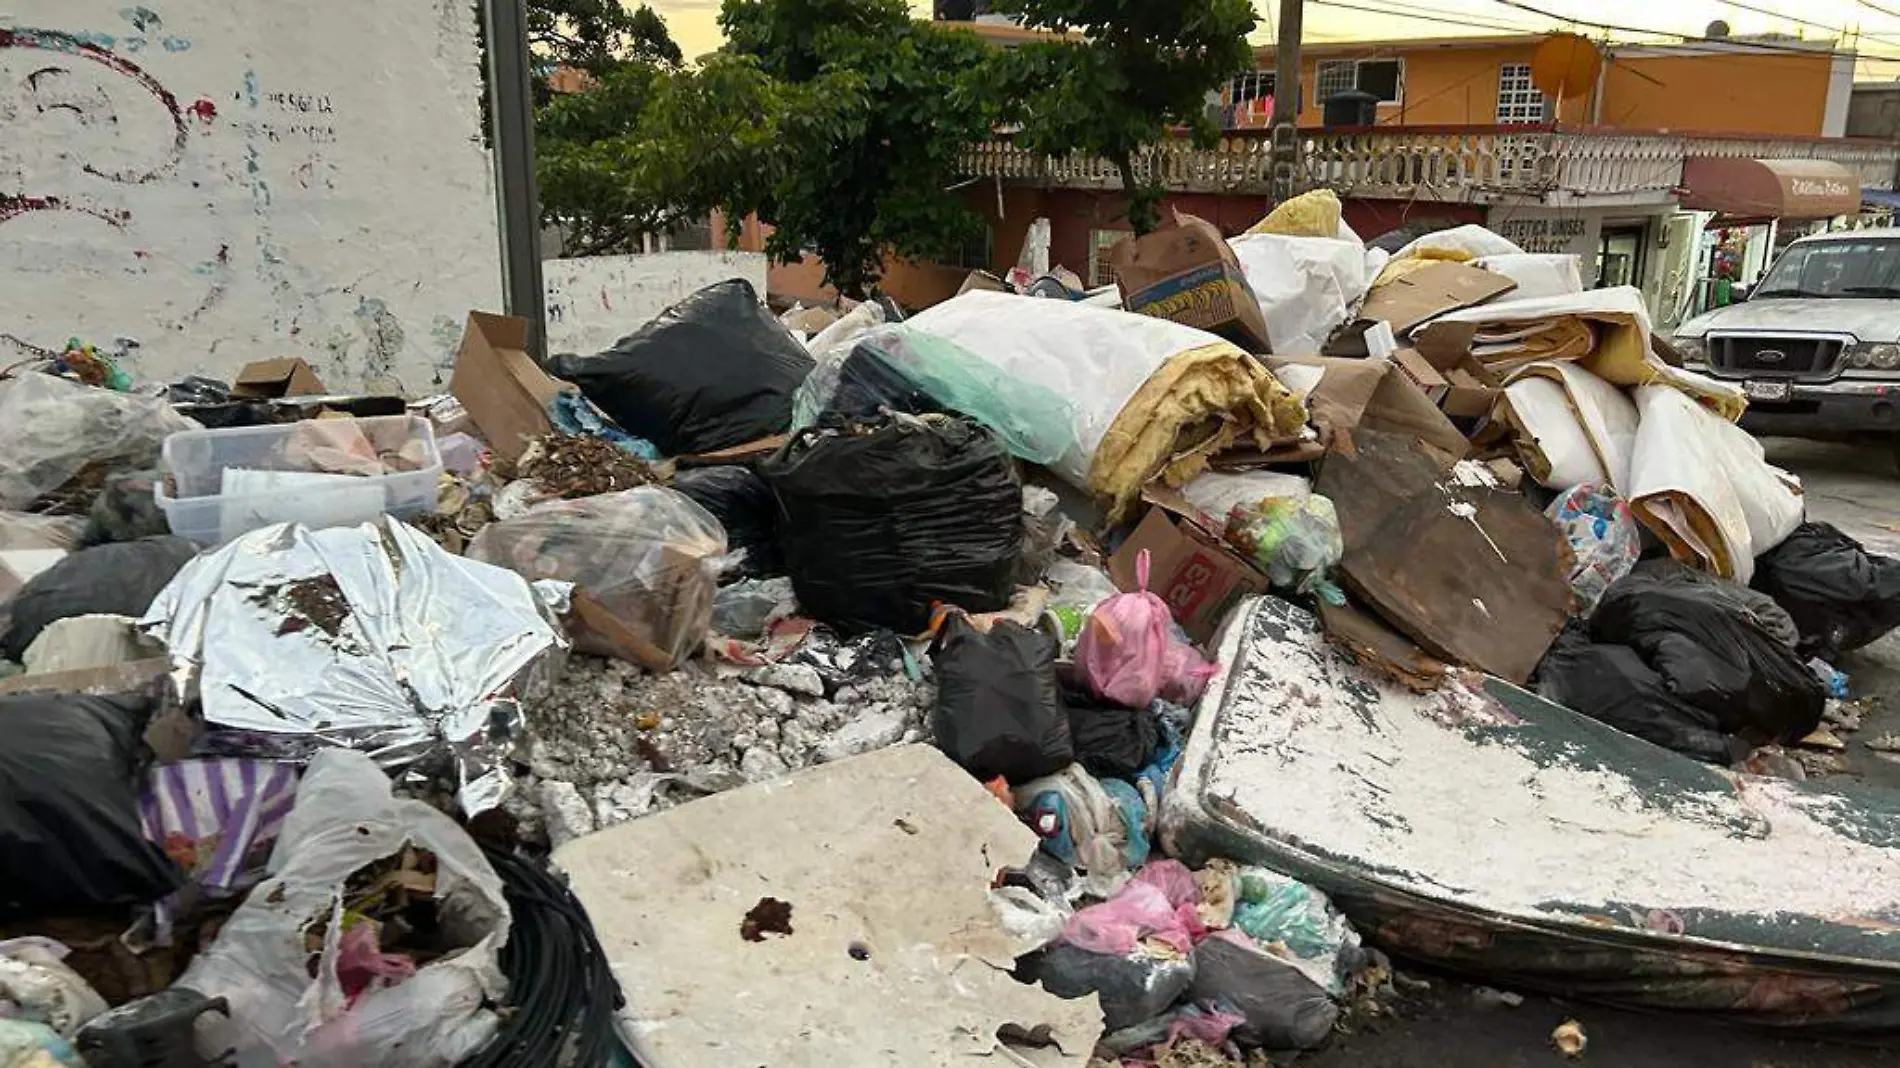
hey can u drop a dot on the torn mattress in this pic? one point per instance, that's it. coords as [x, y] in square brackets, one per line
[1147, 397]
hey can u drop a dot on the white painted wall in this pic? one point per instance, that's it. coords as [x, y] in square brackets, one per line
[201, 183]
[597, 300]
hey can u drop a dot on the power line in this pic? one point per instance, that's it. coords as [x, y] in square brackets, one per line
[1838, 31]
[1727, 45]
[1421, 16]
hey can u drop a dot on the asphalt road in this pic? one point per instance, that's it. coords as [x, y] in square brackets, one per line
[1454, 1025]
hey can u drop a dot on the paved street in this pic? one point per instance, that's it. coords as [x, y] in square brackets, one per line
[1858, 490]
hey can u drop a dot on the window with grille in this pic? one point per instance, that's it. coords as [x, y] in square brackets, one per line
[1518, 100]
[1336, 76]
[1101, 272]
[1383, 78]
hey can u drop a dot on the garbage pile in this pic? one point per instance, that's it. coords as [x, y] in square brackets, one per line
[310, 684]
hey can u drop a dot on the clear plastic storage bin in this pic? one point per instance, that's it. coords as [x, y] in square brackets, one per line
[224, 483]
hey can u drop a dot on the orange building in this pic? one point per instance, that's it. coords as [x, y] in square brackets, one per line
[1757, 85]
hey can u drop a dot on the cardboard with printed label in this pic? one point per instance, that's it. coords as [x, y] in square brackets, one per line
[1185, 272]
[1200, 579]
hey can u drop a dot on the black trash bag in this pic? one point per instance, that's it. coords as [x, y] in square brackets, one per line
[882, 520]
[999, 710]
[1134, 989]
[713, 371]
[118, 579]
[1705, 637]
[744, 505]
[126, 509]
[70, 836]
[1612, 685]
[1841, 596]
[1111, 742]
[1283, 1008]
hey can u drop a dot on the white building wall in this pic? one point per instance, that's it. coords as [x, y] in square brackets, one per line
[597, 300]
[199, 183]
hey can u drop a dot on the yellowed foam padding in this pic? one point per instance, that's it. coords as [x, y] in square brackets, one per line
[1400, 266]
[1314, 214]
[1218, 390]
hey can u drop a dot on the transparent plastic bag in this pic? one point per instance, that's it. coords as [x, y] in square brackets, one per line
[1128, 653]
[51, 429]
[1295, 540]
[346, 820]
[1603, 537]
[645, 564]
[36, 985]
[1279, 911]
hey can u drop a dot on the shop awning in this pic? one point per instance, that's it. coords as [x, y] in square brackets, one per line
[1776, 188]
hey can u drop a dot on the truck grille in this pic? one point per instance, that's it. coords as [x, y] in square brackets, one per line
[1789, 357]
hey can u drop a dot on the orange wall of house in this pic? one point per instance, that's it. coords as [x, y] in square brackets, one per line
[1451, 86]
[1766, 94]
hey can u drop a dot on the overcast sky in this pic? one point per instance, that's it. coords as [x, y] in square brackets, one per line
[694, 23]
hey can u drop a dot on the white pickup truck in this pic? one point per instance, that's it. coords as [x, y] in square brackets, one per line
[1817, 343]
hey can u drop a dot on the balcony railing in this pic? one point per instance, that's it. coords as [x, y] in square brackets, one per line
[1463, 164]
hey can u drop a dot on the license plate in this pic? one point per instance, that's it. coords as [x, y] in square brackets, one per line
[1767, 391]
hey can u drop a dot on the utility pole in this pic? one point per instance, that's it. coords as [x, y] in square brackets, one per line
[1286, 99]
[511, 107]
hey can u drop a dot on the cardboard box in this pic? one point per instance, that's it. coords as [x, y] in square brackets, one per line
[1426, 293]
[1376, 395]
[1200, 578]
[984, 281]
[270, 379]
[505, 392]
[1422, 373]
[1466, 396]
[1185, 272]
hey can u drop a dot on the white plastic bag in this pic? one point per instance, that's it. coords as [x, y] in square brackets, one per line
[1537, 274]
[345, 819]
[1469, 242]
[1217, 493]
[648, 557]
[834, 342]
[50, 429]
[1307, 286]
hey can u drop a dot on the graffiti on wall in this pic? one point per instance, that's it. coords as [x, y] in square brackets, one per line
[192, 193]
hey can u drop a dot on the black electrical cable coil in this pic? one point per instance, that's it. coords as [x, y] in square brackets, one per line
[562, 993]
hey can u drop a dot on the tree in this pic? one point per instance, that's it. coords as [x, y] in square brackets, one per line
[649, 148]
[877, 107]
[597, 35]
[1137, 69]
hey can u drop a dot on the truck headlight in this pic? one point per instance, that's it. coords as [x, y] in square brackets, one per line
[1883, 357]
[1693, 349]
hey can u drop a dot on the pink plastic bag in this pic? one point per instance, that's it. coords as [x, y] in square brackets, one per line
[1160, 902]
[1129, 655]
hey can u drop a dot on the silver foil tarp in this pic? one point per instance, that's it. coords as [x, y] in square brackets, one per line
[370, 637]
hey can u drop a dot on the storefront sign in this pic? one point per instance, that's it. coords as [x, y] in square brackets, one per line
[1544, 234]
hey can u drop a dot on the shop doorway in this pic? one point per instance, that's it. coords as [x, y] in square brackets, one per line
[1620, 255]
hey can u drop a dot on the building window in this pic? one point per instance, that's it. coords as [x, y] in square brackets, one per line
[1248, 101]
[1518, 100]
[977, 251]
[1383, 78]
[1101, 272]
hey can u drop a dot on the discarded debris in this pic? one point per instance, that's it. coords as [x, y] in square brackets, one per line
[1569, 1039]
[771, 916]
